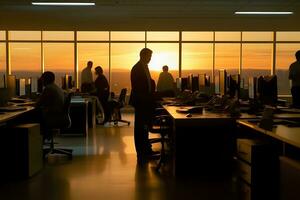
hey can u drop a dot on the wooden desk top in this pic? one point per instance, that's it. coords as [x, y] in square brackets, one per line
[289, 135]
[205, 115]
[5, 116]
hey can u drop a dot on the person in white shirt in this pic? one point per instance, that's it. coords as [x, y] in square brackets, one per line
[87, 78]
[166, 84]
[294, 76]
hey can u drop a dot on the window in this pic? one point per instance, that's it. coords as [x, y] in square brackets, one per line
[227, 56]
[25, 59]
[197, 36]
[258, 36]
[96, 52]
[288, 36]
[164, 54]
[256, 61]
[123, 57]
[2, 35]
[285, 56]
[128, 36]
[59, 58]
[92, 35]
[58, 35]
[24, 35]
[228, 36]
[162, 36]
[2, 59]
[197, 59]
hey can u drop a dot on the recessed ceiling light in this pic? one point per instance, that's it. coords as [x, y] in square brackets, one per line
[263, 13]
[62, 4]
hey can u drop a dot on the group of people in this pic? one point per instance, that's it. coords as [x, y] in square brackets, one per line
[99, 87]
[142, 98]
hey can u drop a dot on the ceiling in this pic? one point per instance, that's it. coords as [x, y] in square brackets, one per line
[150, 15]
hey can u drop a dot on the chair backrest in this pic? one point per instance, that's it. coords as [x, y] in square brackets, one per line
[122, 97]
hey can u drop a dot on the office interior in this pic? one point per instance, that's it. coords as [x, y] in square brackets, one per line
[216, 148]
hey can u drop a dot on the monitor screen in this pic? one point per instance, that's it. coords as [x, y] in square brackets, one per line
[11, 86]
[222, 81]
[217, 85]
[234, 86]
[3, 96]
[22, 86]
[267, 89]
[195, 83]
[184, 84]
[178, 83]
[252, 87]
[202, 80]
[34, 85]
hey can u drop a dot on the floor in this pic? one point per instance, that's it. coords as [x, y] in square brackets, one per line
[104, 167]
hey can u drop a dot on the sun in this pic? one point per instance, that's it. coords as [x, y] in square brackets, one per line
[163, 58]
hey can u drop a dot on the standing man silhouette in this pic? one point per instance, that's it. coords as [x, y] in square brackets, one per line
[143, 101]
[294, 76]
[87, 78]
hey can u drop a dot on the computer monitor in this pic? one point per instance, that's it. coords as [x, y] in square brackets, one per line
[3, 96]
[11, 86]
[40, 85]
[22, 87]
[222, 82]
[252, 88]
[67, 82]
[195, 82]
[207, 81]
[202, 80]
[217, 84]
[267, 89]
[234, 82]
[178, 84]
[34, 85]
[184, 84]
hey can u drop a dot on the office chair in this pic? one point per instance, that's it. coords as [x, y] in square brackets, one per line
[161, 125]
[116, 108]
[52, 130]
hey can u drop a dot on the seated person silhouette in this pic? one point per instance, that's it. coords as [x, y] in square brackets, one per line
[51, 104]
[166, 83]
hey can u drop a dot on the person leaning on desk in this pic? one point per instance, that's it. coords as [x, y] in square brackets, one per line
[50, 104]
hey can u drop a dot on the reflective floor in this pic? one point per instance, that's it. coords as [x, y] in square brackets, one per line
[104, 167]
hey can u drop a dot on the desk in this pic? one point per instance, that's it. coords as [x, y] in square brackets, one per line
[6, 116]
[210, 138]
[204, 143]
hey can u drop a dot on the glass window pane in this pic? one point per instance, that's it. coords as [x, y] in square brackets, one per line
[128, 36]
[59, 58]
[24, 35]
[164, 54]
[96, 52]
[197, 59]
[58, 35]
[92, 35]
[2, 59]
[25, 59]
[288, 36]
[162, 36]
[256, 61]
[123, 57]
[227, 57]
[285, 56]
[2, 35]
[197, 36]
[228, 36]
[258, 36]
